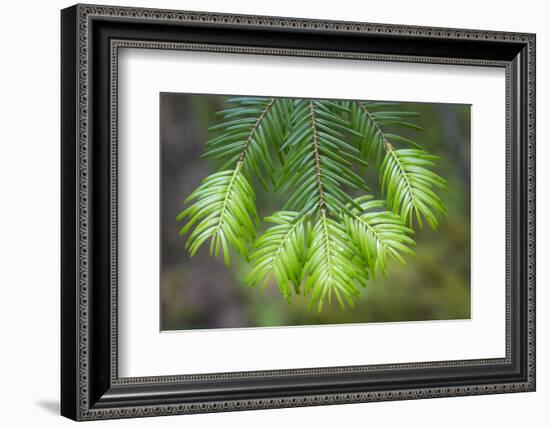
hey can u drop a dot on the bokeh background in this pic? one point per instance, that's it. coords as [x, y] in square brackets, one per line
[200, 292]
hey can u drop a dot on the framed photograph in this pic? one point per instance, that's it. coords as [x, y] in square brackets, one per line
[263, 212]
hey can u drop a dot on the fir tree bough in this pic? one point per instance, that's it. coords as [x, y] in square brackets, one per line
[332, 234]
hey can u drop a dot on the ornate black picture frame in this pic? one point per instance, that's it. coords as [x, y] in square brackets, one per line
[91, 36]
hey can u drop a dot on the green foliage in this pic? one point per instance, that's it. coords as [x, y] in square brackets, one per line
[327, 241]
[319, 161]
[378, 234]
[281, 251]
[332, 266]
[249, 133]
[405, 178]
[225, 209]
[408, 185]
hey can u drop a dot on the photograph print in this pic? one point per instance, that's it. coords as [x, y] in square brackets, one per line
[299, 212]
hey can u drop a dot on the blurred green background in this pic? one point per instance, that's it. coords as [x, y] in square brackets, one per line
[201, 292]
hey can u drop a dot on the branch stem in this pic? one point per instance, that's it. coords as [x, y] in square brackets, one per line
[317, 154]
